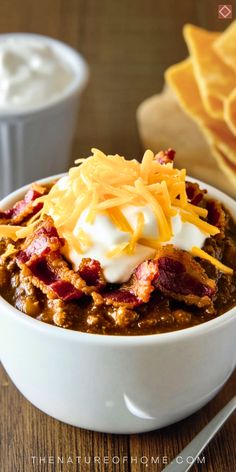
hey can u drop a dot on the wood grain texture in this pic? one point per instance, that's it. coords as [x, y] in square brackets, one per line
[30, 440]
[128, 45]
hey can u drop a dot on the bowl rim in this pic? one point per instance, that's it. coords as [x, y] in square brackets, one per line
[117, 340]
[78, 66]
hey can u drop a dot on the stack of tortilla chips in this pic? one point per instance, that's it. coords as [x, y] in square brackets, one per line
[205, 86]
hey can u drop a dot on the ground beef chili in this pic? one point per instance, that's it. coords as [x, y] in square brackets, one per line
[168, 293]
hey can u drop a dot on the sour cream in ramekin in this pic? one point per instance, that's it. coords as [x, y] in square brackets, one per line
[31, 73]
[41, 80]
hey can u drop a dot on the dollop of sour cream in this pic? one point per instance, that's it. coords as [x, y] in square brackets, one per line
[105, 236]
[32, 73]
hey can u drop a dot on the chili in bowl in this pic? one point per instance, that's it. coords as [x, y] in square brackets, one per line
[123, 266]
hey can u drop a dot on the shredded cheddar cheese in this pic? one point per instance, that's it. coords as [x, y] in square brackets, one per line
[161, 218]
[119, 220]
[24, 231]
[117, 250]
[196, 210]
[146, 165]
[149, 242]
[8, 231]
[137, 233]
[105, 184]
[197, 252]
[84, 238]
[203, 225]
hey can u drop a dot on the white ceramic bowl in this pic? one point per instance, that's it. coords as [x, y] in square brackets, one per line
[36, 142]
[117, 384]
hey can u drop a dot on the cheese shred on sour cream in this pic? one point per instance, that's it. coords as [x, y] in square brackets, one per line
[121, 211]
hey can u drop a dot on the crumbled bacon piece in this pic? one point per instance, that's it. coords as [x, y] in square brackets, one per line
[194, 193]
[43, 240]
[138, 289]
[65, 290]
[53, 277]
[90, 270]
[182, 278]
[121, 297]
[174, 272]
[40, 268]
[144, 277]
[24, 208]
[40, 256]
[165, 157]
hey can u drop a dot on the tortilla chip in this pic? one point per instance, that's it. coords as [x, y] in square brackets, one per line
[225, 46]
[230, 111]
[215, 79]
[162, 124]
[225, 165]
[181, 78]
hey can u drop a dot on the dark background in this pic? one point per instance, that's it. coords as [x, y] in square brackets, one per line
[128, 45]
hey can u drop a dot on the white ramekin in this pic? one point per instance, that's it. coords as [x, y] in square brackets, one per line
[36, 142]
[117, 384]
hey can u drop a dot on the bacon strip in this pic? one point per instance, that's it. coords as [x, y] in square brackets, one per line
[66, 291]
[183, 278]
[24, 208]
[174, 273]
[165, 157]
[144, 277]
[194, 193]
[48, 280]
[90, 270]
[42, 241]
[138, 289]
[40, 257]
[121, 297]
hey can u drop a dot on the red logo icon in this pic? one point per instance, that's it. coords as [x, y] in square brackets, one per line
[225, 12]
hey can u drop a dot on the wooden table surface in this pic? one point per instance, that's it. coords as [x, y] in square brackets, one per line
[128, 45]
